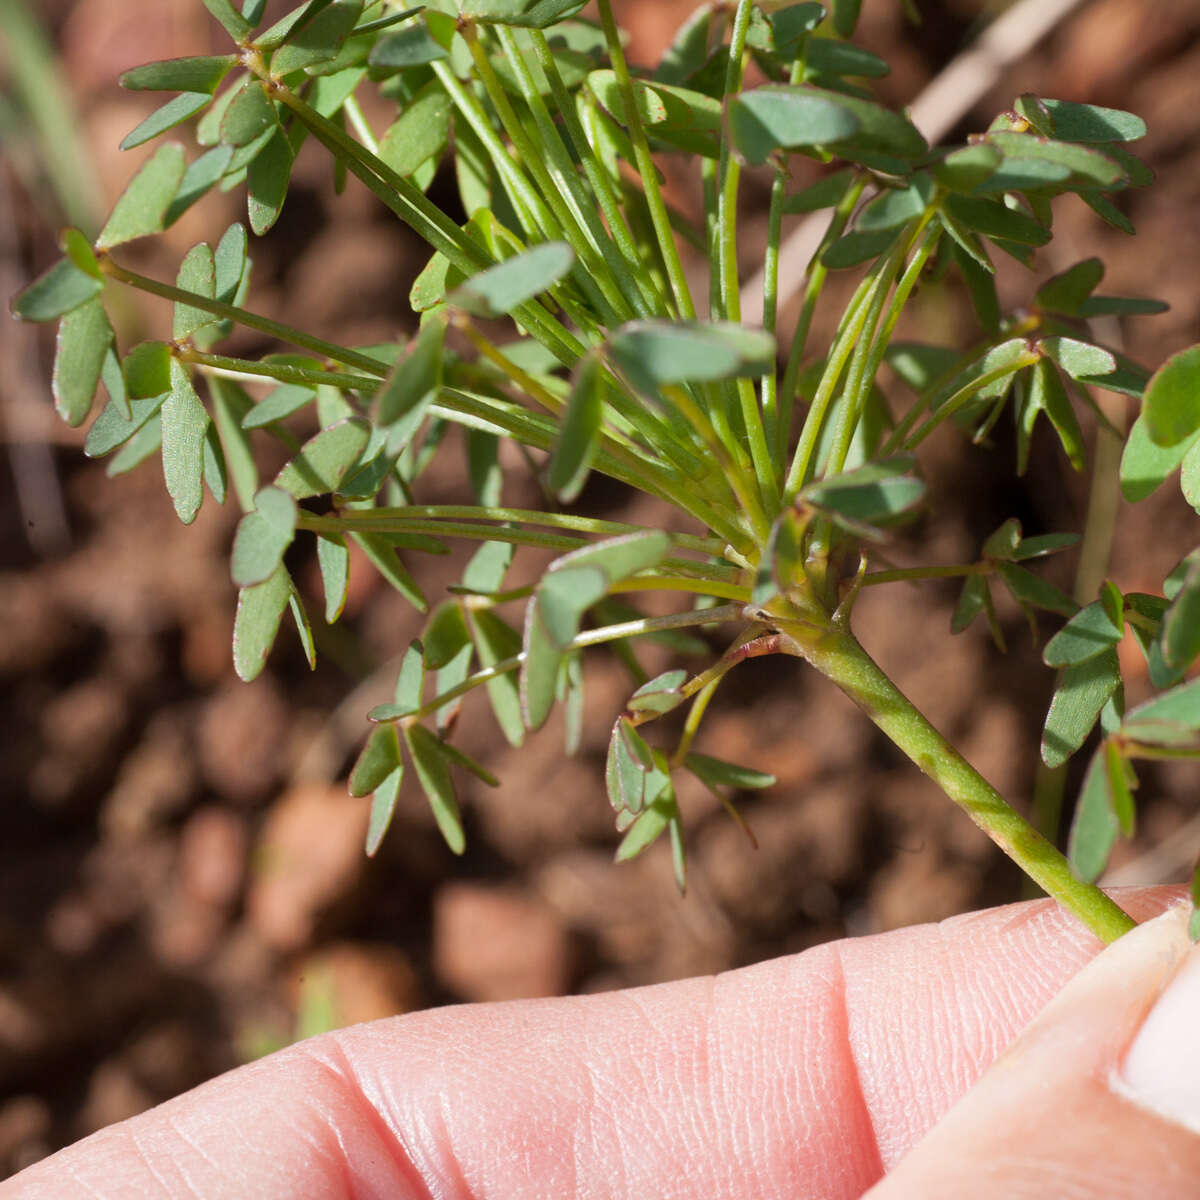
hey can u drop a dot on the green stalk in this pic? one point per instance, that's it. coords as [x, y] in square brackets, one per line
[838, 656]
[230, 312]
[916, 574]
[770, 381]
[279, 372]
[659, 216]
[964, 393]
[817, 274]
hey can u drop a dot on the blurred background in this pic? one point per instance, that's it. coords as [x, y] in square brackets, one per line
[182, 882]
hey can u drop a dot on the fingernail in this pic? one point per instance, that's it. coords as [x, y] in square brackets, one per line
[1161, 1070]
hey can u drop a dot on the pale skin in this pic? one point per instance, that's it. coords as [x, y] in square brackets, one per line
[809, 1076]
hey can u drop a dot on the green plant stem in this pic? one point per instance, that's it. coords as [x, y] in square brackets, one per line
[770, 381]
[839, 656]
[590, 637]
[279, 372]
[230, 312]
[644, 161]
[633, 280]
[964, 393]
[817, 274]
[702, 586]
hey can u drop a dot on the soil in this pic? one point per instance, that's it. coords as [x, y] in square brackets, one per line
[182, 883]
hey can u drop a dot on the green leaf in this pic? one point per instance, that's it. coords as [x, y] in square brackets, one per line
[1122, 306]
[63, 288]
[1177, 709]
[489, 564]
[660, 695]
[981, 285]
[495, 642]
[1030, 589]
[1189, 476]
[971, 602]
[251, 113]
[267, 180]
[1091, 123]
[259, 611]
[379, 758]
[180, 74]
[84, 340]
[325, 459]
[1094, 828]
[229, 403]
[564, 596]
[197, 273]
[147, 370]
[496, 291]
[234, 23]
[417, 374]
[1171, 407]
[199, 178]
[229, 262]
[649, 826]
[1067, 292]
[433, 773]
[1181, 624]
[318, 39]
[445, 635]
[845, 16]
[825, 193]
[1082, 692]
[827, 56]
[113, 428]
[1048, 394]
[965, 169]
[420, 132]
[619, 557]
[143, 445]
[1088, 633]
[877, 492]
[1145, 465]
[661, 352]
[1046, 543]
[382, 554]
[1079, 359]
[383, 808]
[184, 427]
[543, 13]
[896, 206]
[1121, 782]
[781, 117]
[286, 399]
[173, 113]
[1005, 542]
[262, 537]
[410, 47]
[1083, 165]
[303, 628]
[333, 559]
[716, 773]
[579, 436]
[996, 220]
[854, 248]
[628, 762]
[143, 205]
[538, 681]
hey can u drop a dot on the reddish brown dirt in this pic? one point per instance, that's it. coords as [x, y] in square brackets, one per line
[181, 879]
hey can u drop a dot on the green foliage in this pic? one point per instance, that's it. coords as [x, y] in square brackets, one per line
[786, 463]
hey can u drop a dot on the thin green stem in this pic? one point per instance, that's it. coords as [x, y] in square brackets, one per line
[279, 372]
[915, 574]
[358, 121]
[590, 637]
[817, 274]
[230, 312]
[838, 656]
[644, 161]
[964, 393]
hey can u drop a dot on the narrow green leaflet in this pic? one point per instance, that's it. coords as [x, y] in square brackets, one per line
[383, 808]
[1171, 718]
[184, 425]
[286, 399]
[173, 113]
[1094, 828]
[445, 635]
[649, 826]
[660, 694]
[143, 205]
[716, 773]
[112, 428]
[201, 176]
[1145, 465]
[250, 114]
[383, 556]
[579, 437]
[877, 492]
[1079, 359]
[379, 758]
[433, 773]
[1181, 625]
[778, 117]
[627, 766]
[84, 340]
[318, 39]
[230, 262]
[180, 74]
[1048, 394]
[234, 23]
[262, 537]
[63, 288]
[971, 602]
[417, 374]
[1082, 692]
[303, 628]
[259, 611]
[619, 557]
[845, 16]
[1171, 408]
[538, 681]
[1033, 591]
[825, 193]
[197, 273]
[564, 596]
[420, 132]
[661, 352]
[496, 642]
[230, 403]
[333, 559]
[1089, 632]
[1091, 123]
[1066, 293]
[213, 467]
[267, 180]
[498, 290]
[325, 459]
